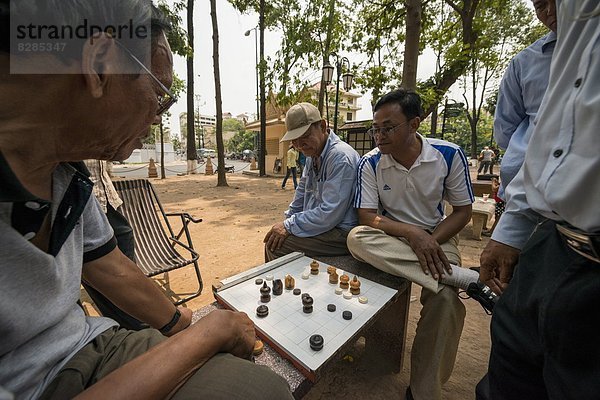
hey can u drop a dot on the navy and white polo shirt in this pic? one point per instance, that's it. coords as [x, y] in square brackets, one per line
[415, 196]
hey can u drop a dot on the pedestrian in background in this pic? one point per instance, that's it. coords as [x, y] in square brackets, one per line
[292, 164]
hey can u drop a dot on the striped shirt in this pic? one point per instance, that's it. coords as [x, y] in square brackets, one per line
[415, 196]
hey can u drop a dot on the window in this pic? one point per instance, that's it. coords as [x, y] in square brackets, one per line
[349, 116]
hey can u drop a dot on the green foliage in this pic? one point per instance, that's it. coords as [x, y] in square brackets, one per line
[177, 37]
[241, 141]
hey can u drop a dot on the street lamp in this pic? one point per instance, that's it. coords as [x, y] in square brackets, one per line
[346, 81]
[247, 33]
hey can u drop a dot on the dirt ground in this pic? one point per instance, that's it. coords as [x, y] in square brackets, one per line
[229, 240]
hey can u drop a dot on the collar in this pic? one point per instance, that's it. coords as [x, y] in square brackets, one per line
[331, 141]
[548, 40]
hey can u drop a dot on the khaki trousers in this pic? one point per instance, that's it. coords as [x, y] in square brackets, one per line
[442, 317]
[329, 244]
[224, 376]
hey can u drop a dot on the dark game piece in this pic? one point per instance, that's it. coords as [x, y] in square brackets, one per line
[331, 307]
[347, 315]
[277, 287]
[262, 311]
[297, 291]
[304, 295]
[307, 304]
[265, 291]
[316, 342]
[258, 281]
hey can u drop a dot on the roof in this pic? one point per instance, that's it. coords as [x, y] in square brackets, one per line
[365, 124]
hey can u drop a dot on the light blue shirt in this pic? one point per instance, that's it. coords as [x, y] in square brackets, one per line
[519, 98]
[559, 178]
[323, 199]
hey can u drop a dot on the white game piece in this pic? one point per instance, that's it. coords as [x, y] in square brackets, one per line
[363, 300]
[305, 275]
[269, 277]
[347, 295]
[338, 290]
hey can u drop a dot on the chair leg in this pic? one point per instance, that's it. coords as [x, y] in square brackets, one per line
[200, 286]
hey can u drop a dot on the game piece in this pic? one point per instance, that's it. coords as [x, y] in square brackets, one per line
[305, 295]
[258, 281]
[331, 307]
[277, 287]
[344, 279]
[333, 277]
[258, 348]
[265, 291]
[307, 304]
[331, 269]
[347, 295]
[262, 311]
[347, 315]
[269, 277]
[297, 291]
[363, 300]
[314, 267]
[355, 286]
[290, 282]
[339, 290]
[305, 275]
[316, 342]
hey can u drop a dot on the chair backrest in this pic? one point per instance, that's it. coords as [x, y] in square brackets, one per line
[153, 251]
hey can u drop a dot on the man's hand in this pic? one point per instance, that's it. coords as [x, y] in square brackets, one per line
[276, 236]
[497, 264]
[430, 254]
[234, 328]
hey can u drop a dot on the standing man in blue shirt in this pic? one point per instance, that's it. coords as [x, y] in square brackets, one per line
[544, 256]
[321, 215]
[520, 95]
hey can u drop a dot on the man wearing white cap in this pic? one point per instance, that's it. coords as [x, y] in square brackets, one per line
[321, 215]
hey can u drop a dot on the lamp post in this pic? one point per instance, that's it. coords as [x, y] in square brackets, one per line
[346, 79]
[247, 33]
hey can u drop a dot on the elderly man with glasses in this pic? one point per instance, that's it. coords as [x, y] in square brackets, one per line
[93, 97]
[321, 215]
[402, 186]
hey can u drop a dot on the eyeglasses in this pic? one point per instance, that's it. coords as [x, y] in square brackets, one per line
[167, 98]
[385, 130]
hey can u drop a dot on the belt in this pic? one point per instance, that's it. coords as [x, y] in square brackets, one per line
[585, 244]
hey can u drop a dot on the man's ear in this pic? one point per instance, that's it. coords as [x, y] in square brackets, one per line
[100, 57]
[415, 123]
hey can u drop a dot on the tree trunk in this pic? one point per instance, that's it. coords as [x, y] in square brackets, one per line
[263, 101]
[326, 52]
[446, 78]
[221, 180]
[162, 151]
[411, 44]
[191, 136]
[434, 119]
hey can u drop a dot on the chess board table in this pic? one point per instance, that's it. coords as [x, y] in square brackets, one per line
[381, 321]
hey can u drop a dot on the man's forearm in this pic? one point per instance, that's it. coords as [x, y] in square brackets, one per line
[178, 357]
[130, 290]
[453, 224]
[389, 226]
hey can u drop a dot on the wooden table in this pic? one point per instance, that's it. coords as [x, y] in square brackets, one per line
[483, 211]
[384, 334]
